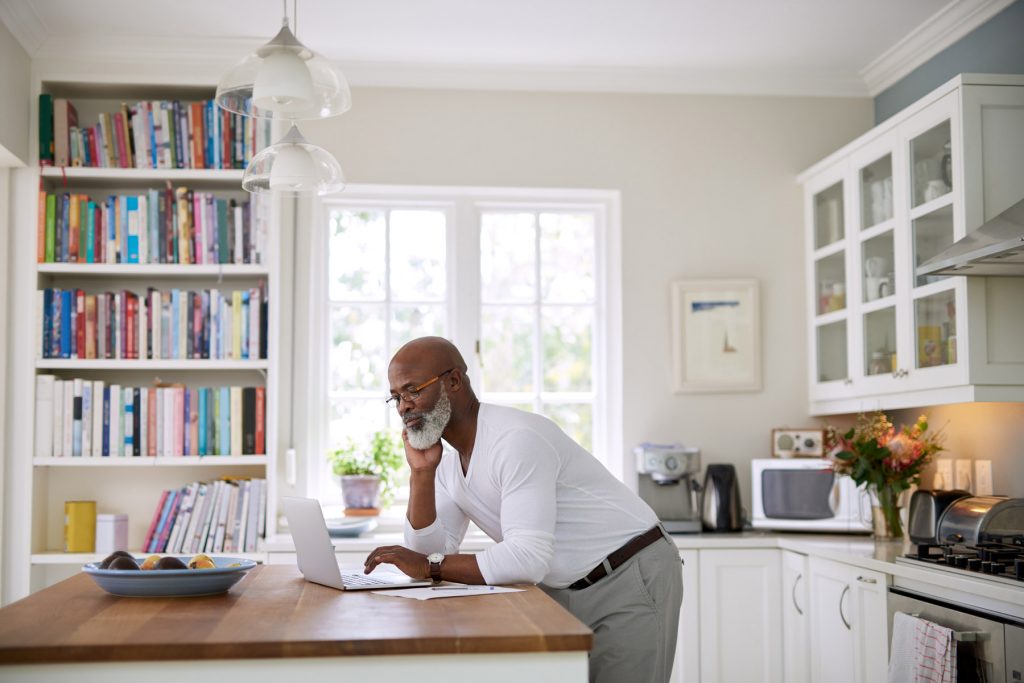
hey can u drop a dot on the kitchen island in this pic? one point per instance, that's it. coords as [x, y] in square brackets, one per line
[274, 626]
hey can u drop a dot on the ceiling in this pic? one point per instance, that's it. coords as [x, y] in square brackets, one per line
[795, 47]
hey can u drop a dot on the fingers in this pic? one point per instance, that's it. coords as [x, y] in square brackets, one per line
[382, 555]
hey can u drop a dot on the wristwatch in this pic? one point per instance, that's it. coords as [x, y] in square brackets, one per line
[435, 560]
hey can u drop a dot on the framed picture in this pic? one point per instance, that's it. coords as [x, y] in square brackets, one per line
[716, 336]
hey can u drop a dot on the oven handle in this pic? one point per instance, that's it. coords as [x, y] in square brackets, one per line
[842, 616]
[962, 636]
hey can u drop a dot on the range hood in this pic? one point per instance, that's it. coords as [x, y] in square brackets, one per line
[996, 248]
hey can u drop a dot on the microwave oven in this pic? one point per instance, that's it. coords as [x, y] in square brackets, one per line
[807, 495]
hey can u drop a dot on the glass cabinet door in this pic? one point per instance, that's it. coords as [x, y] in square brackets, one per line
[935, 329]
[880, 341]
[931, 234]
[831, 342]
[830, 283]
[876, 192]
[876, 267]
[931, 166]
[828, 216]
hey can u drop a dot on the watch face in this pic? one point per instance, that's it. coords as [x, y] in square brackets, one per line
[434, 558]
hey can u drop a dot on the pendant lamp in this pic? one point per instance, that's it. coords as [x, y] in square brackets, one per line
[293, 165]
[284, 79]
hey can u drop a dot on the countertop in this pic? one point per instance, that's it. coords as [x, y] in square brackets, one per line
[274, 613]
[857, 550]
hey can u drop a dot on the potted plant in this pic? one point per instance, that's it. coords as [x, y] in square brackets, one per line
[368, 472]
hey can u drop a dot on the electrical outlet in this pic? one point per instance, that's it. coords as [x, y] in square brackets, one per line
[962, 475]
[943, 480]
[983, 477]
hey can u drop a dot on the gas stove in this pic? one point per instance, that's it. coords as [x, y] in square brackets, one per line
[998, 558]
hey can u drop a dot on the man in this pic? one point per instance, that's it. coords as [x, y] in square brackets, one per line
[558, 517]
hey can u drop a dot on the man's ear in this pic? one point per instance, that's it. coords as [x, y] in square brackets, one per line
[455, 380]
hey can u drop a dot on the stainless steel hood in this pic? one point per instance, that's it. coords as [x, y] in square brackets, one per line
[996, 248]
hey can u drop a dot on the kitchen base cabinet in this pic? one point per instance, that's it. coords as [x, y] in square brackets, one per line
[687, 659]
[740, 608]
[848, 623]
[795, 618]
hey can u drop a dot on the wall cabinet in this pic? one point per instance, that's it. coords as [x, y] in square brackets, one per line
[880, 335]
[848, 623]
[795, 618]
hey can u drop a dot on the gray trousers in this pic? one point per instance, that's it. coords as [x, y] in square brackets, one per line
[634, 614]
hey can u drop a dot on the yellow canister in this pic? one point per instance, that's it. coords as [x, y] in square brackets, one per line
[79, 526]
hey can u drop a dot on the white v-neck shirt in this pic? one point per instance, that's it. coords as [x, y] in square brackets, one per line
[553, 510]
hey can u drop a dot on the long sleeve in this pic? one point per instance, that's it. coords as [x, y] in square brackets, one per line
[446, 533]
[527, 481]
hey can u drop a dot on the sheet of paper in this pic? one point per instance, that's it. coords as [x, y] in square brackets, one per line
[446, 591]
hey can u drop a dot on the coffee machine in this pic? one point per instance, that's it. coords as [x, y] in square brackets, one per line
[667, 483]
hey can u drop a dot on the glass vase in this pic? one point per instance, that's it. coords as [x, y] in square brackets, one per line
[885, 517]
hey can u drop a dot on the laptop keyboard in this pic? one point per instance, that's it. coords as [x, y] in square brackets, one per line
[362, 580]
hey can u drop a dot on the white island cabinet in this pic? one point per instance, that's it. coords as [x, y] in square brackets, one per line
[882, 336]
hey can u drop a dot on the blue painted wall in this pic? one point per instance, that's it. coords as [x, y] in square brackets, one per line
[995, 47]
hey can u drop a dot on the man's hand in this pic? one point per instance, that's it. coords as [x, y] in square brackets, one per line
[422, 461]
[409, 562]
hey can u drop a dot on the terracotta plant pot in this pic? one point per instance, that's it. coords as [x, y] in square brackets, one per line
[360, 491]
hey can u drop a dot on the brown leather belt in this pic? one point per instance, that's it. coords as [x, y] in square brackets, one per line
[615, 560]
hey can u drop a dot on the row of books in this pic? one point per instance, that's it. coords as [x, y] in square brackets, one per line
[167, 324]
[161, 134]
[161, 226]
[223, 516]
[92, 419]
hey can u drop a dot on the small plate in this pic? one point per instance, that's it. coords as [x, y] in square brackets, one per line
[350, 527]
[165, 583]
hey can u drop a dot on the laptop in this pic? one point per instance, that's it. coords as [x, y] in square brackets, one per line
[315, 552]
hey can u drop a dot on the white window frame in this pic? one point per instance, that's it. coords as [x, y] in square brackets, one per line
[462, 206]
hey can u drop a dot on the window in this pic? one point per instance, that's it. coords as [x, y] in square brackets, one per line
[519, 281]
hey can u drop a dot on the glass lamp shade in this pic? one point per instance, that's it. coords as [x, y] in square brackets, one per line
[293, 166]
[284, 79]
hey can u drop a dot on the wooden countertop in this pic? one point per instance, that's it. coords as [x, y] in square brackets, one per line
[273, 612]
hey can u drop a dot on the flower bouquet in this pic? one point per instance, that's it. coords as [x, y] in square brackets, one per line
[888, 461]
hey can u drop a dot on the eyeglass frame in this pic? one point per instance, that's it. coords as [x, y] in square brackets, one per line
[411, 395]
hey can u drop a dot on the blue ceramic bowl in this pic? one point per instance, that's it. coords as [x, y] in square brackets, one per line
[166, 583]
[350, 527]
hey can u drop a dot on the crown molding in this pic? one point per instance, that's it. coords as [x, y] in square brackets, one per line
[942, 29]
[198, 60]
[24, 24]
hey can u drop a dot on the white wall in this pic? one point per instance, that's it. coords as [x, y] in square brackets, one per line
[14, 104]
[708, 190]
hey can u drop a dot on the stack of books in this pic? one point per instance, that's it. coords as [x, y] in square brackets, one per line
[88, 418]
[224, 516]
[161, 226]
[169, 324]
[161, 134]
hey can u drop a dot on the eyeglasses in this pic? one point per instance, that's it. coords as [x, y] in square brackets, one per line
[410, 395]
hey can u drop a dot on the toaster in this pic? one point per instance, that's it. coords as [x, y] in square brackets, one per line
[926, 508]
[975, 519]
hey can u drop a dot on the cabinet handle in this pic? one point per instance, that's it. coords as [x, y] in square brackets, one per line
[841, 615]
[795, 582]
[867, 580]
[847, 381]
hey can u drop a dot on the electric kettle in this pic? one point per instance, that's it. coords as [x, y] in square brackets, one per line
[720, 505]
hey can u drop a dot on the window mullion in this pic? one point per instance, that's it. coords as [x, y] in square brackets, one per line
[538, 359]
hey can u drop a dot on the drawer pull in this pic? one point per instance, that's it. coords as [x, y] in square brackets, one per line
[846, 589]
[867, 580]
[795, 582]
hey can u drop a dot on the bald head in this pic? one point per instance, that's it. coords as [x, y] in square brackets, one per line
[435, 354]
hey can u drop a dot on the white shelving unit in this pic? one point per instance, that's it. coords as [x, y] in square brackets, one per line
[120, 484]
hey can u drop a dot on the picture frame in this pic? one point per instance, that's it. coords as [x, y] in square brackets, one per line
[716, 335]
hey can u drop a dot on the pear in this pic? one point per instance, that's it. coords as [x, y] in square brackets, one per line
[150, 562]
[202, 562]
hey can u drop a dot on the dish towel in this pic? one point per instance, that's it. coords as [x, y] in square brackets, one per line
[922, 651]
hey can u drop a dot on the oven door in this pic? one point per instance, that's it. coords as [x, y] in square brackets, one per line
[980, 647]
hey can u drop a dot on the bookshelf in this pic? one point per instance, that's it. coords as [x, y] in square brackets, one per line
[124, 484]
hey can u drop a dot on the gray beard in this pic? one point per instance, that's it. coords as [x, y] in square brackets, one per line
[434, 422]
